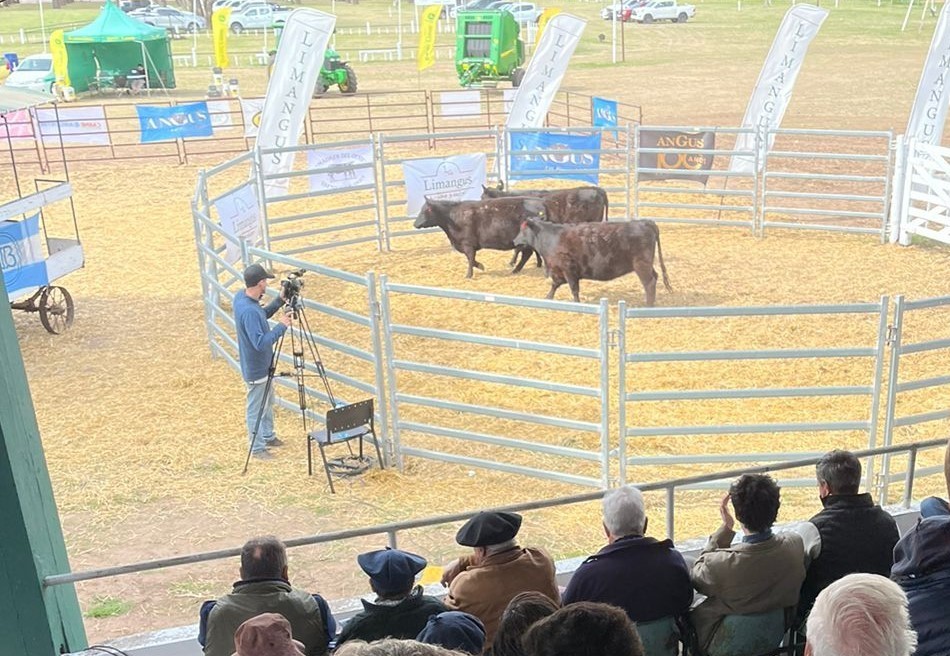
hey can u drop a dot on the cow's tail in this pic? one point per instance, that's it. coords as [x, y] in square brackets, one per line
[659, 250]
[606, 207]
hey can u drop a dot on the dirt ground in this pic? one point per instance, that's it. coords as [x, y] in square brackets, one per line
[143, 429]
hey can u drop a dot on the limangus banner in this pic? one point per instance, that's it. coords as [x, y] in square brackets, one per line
[675, 155]
[929, 112]
[773, 90]
[545, 72]
[296, 67]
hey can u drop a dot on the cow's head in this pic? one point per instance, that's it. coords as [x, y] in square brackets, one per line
[528, 232]
[428, 216]
[490, 192]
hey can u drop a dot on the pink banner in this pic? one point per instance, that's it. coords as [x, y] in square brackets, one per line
[19, 123]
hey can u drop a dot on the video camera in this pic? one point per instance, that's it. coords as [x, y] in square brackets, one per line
[291, 285]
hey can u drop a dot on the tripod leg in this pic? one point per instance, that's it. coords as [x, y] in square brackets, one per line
[265, 406]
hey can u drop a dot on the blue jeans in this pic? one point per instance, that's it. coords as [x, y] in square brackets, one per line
[934, 507]
[255, 397]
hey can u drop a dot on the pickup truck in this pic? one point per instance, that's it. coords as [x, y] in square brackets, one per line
[257, 16]
[663, 10]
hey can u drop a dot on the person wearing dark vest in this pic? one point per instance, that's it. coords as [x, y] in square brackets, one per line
[645, 577]
[265, 588]
[851, 535]
[400, 610]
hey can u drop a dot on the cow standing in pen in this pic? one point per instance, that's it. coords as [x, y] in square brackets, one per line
[596, 251]
[474, 225]
[577, 205]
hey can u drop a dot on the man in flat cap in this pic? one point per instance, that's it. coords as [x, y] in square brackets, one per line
[484, 582]
[256, 341]
[400, 610]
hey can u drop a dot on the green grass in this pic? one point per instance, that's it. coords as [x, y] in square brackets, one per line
[107, 607]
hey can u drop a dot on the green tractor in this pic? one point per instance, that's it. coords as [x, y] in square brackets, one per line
[487, 48]
[335, 72]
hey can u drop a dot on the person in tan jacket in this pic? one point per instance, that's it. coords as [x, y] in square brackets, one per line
[484, 582]
[761, 573]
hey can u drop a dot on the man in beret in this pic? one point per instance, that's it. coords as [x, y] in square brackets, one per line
[256, 341]
[484, 582]
[400, 610]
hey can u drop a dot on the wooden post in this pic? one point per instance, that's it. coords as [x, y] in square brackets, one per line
[33, 620]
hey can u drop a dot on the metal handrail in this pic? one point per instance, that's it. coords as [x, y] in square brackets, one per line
[391, 529]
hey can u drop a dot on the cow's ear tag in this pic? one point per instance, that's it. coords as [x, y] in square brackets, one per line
[524, 224]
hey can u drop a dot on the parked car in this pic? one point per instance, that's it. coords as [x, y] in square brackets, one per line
[34, 73]
[663, 10]
[474, 5]
[524, 12]
[257, 17]
[626, 15]
[130, 5]
[622, 8]
[173, 19]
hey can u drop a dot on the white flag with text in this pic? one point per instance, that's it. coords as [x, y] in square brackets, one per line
[929, 111]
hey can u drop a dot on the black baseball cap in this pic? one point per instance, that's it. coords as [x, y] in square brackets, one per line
[254, 274]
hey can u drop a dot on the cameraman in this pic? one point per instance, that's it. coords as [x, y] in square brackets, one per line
[256, 341]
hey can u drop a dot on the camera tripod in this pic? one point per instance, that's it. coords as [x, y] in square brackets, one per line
[301, 341]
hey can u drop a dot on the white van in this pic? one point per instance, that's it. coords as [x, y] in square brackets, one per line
[34, 73]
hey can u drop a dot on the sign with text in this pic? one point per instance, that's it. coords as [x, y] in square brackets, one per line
[21, 255]
[358, 171]
[240, 217]
[929, 112]
[78, 125]
[682, 155]
[177, 122]
[459, 177]
[575, 156]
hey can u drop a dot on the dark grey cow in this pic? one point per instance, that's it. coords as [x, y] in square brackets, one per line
[474, 225]
[596, 251]
[577, 205]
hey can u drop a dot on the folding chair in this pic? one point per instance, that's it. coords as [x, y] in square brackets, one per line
[660, 637]
[343, 425]
[752, 635]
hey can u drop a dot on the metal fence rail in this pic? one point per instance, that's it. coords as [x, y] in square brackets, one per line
[633, 392]
[402, 399]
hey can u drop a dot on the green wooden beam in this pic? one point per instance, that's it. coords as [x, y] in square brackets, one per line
[33, 621]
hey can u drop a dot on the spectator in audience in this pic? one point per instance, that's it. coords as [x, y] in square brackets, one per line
[400, 609]
[850, 535]
[763, 572]
[266, 635]
[935, 506]
[922, 569]
[454, 630]
[393, 647]
[523, 611]
[584, 629]
[860, 615]
[265, 588]
[484, 582]
[646, 578]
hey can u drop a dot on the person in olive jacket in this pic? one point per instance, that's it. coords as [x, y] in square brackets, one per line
[400, 610]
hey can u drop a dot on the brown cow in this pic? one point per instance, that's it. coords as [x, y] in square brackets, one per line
[473, 225]
[596, 251]
[577, 205]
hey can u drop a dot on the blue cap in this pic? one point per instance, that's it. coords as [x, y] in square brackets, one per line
[391, 570]
[454, 630]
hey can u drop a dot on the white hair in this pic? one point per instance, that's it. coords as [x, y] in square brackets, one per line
[624, 511]
[501, 546]
[860, 615]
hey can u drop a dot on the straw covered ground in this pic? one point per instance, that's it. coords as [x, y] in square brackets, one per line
[143, 430]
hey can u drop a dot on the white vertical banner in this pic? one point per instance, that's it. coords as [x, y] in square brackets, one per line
[929, 111]
[240, 217]
[293, 78]
[545, 71]
[773, 90]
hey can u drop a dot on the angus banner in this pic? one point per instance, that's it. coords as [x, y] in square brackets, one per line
[773, 89]
[574, 156]
[545, 72]
[296, 68]
[674, 155]
[175, 122]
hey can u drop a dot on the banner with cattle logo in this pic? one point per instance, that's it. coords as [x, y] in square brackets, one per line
[929, 112]
[296, 67]
[240, 217]
[773, 89]
[355, 166]
[545, 72]
[674, 155]
[571, 156]
[251, 112]
[459, 177]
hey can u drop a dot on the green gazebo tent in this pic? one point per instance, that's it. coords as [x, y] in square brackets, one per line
[118, 43]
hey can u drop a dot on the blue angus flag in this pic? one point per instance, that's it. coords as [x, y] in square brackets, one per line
[21, 255]
[577, 156]
[164, 123]
[604, 113]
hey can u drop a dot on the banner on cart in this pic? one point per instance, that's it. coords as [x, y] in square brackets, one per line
[21, 255]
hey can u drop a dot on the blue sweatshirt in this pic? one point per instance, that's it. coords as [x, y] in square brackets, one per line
[256, 338]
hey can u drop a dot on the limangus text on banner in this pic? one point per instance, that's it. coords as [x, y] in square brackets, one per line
[773, 90]
[294, 76]
[545, 72]
[929, 111]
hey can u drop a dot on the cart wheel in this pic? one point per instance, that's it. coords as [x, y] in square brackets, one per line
[56, 310]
